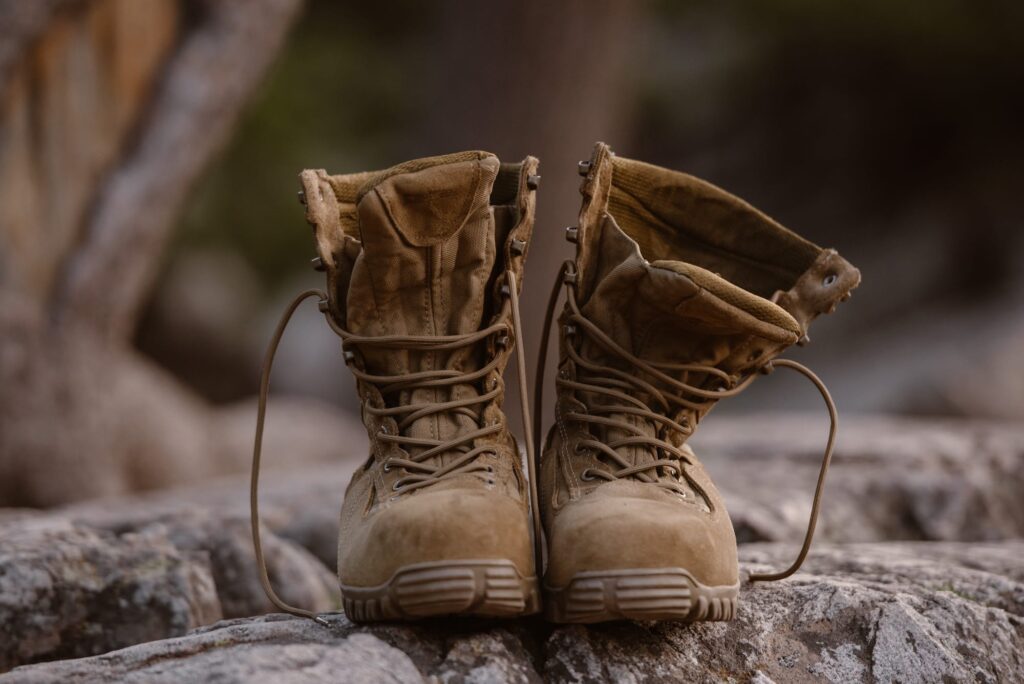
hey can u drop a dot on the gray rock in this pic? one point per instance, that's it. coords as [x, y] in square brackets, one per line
[908, 612]
[68, 590]
[300, 579]
[300, 505]
[891, 478]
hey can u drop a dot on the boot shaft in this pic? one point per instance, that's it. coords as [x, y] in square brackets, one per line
[679, 294]
[422, 250]
[423, 263]
[675, 270]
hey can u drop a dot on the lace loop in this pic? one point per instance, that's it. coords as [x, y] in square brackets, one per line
[633, 395]
[261, 413]
[819, 488]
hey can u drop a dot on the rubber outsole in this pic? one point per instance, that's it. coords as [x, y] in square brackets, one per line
[483, 588]
[639, 594]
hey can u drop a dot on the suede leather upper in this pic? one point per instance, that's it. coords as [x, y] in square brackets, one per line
[673, 271]
[419, 249]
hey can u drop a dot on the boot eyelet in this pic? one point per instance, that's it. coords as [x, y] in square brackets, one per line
[829, 280]
[490, 469]
[387, 467]
[395, 486]
[490, 481]
[492, 454]
[587, 475]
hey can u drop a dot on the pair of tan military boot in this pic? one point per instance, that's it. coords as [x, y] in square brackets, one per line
[679, 295]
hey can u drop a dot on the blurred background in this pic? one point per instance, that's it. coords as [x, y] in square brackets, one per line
[150, 236]
[884, 130]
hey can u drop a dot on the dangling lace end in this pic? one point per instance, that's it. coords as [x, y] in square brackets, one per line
[524, 406]
[819, 488]
[549, 315]
[261, 413]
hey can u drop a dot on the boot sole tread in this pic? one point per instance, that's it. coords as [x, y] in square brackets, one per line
[639, 594]
[482, 588]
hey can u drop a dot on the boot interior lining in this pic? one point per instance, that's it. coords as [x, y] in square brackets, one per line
[506, 185]
[674, 216]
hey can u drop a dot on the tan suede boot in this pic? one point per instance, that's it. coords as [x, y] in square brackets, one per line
[422, 264]
[679, 294]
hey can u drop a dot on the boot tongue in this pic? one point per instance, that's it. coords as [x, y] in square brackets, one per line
[427, 259]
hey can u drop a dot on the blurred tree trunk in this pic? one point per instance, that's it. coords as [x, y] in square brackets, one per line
[539, 78]
[109, 111]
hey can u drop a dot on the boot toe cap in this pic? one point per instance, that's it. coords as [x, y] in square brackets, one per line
[611, 533]
[436, 526]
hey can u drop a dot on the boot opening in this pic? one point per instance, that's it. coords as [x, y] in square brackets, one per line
[506, 185]
[681, 218]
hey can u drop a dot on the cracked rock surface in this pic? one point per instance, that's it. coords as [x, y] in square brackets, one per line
[891, 478]
[169, 578]
[68, 589]
[872, 612]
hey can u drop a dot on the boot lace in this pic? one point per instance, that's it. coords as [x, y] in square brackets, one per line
[653, 396]
[422, 469]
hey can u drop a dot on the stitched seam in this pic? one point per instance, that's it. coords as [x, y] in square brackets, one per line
[378, 477]
[428, 311]
[567, 470]
[373, 283]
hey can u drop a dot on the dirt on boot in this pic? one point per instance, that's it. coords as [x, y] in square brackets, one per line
[680, 295]
[423, 263]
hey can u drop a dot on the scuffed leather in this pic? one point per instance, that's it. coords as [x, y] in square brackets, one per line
[673, 270]
[419, 249]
